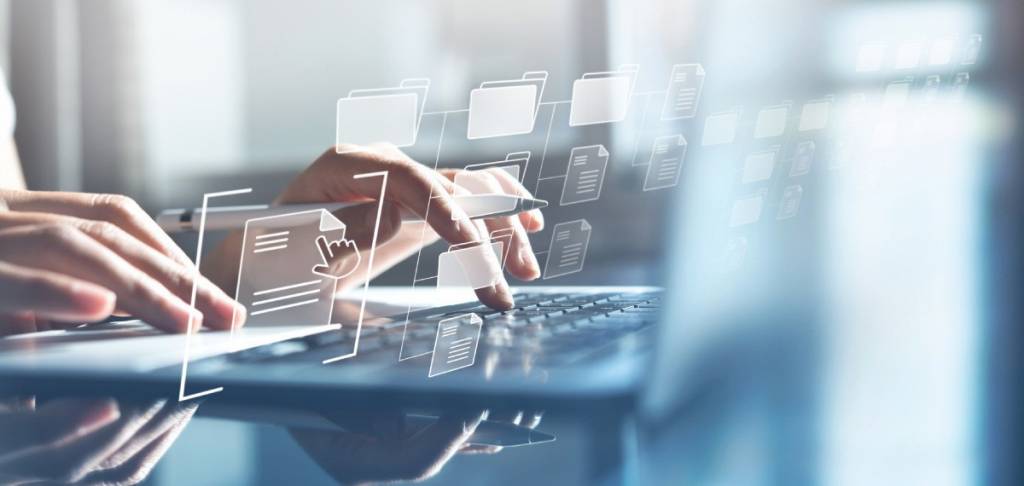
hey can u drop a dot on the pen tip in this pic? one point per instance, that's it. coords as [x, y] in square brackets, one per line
[540, 437]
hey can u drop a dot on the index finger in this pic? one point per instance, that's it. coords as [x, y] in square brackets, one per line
[415, 188]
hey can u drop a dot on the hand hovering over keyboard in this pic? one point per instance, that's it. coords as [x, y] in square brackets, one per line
[413, 187]
[68, 258]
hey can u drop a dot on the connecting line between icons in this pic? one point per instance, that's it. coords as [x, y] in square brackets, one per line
[369, 265]
[423, 234]
[639, 132]
[544, 154]
[190, 330]
[446, 112]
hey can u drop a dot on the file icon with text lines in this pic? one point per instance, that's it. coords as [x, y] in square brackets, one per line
[455, 344]
[568, 249]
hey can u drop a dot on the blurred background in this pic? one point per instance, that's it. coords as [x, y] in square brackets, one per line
[867, 333]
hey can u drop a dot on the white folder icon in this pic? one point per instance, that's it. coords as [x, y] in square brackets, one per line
[469, 265]
[514, 165]
[503, 108]
[384, 115]
[602, 97]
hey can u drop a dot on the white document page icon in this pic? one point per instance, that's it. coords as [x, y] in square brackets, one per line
[386, 115]
[602, 97]
[455, 344]
[276, 283]
[569, 241]
[503, 108]
[585, 175]
[685, 85]
[470, 265]
[666, 162]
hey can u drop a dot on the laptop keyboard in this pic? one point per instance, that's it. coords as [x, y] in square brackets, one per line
[552, 327]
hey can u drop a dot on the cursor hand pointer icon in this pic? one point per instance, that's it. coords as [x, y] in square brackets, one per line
[340, 258]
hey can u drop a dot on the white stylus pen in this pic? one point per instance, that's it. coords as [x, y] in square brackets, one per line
[234, 217]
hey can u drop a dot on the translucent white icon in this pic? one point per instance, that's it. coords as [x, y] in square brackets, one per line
[790, 204]
[759, 166]
[896, 94]
[341, 250]
[684, 89]
[815, 115]
[455, 344]
[386, 115]
[870, 57]
[470, 265]
[507, 107]
[941, 52]
[514, 165]
[747, 210]
[602, 97]
[276, 279]
[931, 89]
[666, 164]
[959, 85]
[585, 175]
[503, 237]
[803, 157]
[972, 50]
[720, 128]
[908, 56]
[568, 249]
[771, 121]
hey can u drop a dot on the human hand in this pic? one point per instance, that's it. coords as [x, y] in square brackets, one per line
[68, 258]
[414, 187]
[86, 441]
[340, 257]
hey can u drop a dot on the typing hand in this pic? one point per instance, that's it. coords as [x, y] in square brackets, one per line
[412, 187]
[68, 258]
[340, 257]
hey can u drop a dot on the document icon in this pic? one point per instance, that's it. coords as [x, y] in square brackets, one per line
[666, 162]
[503, 108]
[759, 166]
[747, 210]
[470, 265]
[720, 128]
[803, 158]
[568, 249]
[602, 97]
[790, 203]
[684, 87]
[585, 175]
[386, 115]
[455, 344]
[276, 281]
